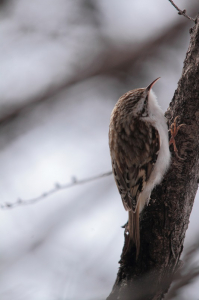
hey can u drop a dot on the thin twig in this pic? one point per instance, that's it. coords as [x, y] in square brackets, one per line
[54, 190]
[181, 12]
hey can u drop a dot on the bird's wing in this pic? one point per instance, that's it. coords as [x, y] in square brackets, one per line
[133, 162]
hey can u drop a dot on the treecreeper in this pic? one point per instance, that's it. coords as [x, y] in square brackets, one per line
[139, 149]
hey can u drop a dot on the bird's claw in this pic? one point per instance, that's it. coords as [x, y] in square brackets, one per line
[174, 130]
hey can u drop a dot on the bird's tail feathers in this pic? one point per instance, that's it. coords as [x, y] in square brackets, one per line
[134, 229]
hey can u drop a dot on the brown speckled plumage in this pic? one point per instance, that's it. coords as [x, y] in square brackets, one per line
[134, 147]
[135, 152]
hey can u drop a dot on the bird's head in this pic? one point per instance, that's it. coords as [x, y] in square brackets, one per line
[137, 101]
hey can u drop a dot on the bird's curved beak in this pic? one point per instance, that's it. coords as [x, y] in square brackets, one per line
[152, 83]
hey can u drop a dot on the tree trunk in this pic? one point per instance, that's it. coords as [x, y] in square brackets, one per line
[164, 222]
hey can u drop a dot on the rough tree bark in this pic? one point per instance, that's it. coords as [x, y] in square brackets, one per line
[165, 221]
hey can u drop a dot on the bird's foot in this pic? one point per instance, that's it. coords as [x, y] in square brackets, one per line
[126, 239]
[125, 225]
[174, 130]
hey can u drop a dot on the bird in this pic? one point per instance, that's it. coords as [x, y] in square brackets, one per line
[139, 150]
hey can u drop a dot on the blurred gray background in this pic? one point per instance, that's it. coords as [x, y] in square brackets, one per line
[63, 66]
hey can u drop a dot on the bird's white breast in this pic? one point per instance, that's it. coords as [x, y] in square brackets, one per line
[157, 119]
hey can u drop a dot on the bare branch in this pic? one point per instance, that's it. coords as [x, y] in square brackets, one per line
[54, 190]
[110, 61]
[182, 12]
